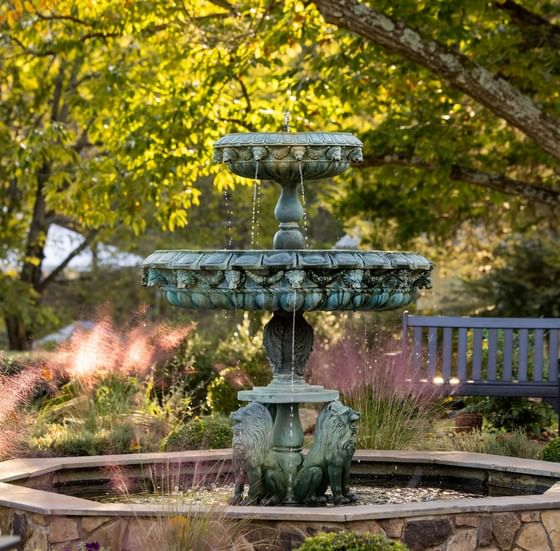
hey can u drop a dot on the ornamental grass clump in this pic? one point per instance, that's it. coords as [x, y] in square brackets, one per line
[16, 391]
[394, 412]
[350, 541]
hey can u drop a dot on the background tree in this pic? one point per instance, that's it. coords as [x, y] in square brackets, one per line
[110, 109]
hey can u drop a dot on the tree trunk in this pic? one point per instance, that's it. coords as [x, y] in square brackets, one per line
[20, 333]
[19, 336]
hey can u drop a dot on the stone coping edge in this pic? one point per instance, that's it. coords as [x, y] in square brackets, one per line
[42, 502]
[47, 503]
[17, 469]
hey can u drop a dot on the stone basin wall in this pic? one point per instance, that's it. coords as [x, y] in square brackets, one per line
[50, 521]
[515, 531]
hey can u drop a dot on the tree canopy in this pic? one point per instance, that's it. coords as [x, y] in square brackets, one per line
[109, 110]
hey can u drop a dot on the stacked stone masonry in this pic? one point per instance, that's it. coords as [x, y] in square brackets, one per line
[508, 531]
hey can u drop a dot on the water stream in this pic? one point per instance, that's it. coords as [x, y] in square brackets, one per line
[228, 224]
[305, 220]
[256, 209]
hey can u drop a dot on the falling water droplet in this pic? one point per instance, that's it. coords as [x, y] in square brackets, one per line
[305, 219]
[294, 337]
[229, 218]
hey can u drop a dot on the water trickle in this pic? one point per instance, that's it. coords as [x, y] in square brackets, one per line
[292, 412]
[256, 209]
[293, 370]
[228, 224]
[305, 220]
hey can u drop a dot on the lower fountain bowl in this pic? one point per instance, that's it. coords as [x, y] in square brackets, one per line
[289, 280]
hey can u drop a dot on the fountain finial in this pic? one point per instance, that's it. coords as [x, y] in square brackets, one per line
[286, 126]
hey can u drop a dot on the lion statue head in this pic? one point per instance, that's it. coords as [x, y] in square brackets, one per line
[336, 428]
[252, 433]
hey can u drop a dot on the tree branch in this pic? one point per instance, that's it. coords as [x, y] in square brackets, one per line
[59, 17]
[244, 91]
[31, 51]
[496, 94]
[71, 255]
[498, 182]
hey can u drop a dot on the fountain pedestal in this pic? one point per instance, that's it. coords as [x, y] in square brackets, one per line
[288, 340]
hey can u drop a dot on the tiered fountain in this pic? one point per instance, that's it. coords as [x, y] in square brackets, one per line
[53, 501]
[289, 280]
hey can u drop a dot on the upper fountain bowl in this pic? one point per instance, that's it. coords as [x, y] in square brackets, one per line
[288, 157]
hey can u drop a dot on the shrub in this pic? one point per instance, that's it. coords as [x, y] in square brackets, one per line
[350, 541]
[241, 362]
[209, 432]
[513, 414]
[211, 375]
[551, 451]
[187, 373]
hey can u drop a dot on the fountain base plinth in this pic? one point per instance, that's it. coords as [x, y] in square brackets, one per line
[284, 390]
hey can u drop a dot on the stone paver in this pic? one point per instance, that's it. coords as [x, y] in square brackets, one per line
[532, 537]
[505, 526]
[463, 540]
[551, 521]
[63, 529]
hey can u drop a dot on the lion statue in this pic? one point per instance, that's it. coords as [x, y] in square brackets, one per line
[328, 461]
[252, 441]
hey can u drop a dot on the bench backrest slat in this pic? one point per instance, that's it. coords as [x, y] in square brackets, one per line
[447, 354]
[492, 353]
[538, 348]
[507, 355]
[432, 352]
[477, 354]
[552, 356]
[417, 348]
[462, 355]
[523, 355]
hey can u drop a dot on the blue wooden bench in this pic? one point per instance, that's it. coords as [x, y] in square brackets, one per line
[474, 356]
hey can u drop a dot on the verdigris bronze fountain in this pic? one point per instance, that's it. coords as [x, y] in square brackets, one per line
[289, 280]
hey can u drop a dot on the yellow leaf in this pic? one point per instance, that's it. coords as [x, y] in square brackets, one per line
[35, 261]
[223, 180]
